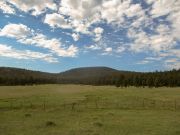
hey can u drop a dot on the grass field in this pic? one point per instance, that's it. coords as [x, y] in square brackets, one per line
[89, 110]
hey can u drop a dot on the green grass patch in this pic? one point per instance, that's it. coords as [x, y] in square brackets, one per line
[89, 110]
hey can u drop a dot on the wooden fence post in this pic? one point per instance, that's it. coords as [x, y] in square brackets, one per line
[164, 104]
[44, 105]
[154, 103]
[175, 104]
[73, 106]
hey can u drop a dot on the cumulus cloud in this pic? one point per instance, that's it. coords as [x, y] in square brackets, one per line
[56, 20]
[120, 49]
[54, 45]
[83, 13]
[143, 41]
[27, 36]
[171, 9]
[153, 28]
[8, 51]
[109, 49]
[98, 33]
[80, 9]
[6, 8]
[75, 36]
[172, 63]
[163, 7]
[15, 31]
[116, 12]
[143, 62]
[93, 47]
[35, 6]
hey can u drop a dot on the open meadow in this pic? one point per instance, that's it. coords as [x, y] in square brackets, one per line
[89, 110]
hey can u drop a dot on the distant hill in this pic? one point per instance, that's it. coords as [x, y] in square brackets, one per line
[86, 75]
[86, 72]
[90, 76]
[16, 76]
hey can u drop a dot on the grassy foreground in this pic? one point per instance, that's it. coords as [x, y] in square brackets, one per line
[89, 110]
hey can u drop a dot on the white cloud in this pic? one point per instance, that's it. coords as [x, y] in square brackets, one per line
[172, 63]
[153, 58]
[169, 8]
[83, 17]
[36, 6]
[98, 30]
[172, 60]
[15, 31]
[143, 62]
[115, 11]
[175, 52]
[81, 13]
[75, 36]
[98, 33]
[6, 8]
[109, 49]
[93, 47]
[144, 34]
[120, 49]
[142, 41]
[80, 27]
[8, 51]
[56, 20]
[27, 36]
[163, 7]
[54, 45]
[80, 9]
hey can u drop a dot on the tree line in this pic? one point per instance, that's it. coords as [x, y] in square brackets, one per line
[13, 76]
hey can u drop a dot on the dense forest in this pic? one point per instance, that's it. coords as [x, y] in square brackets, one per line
[91, 76]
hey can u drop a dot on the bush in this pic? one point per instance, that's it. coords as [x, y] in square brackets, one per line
[50, 124]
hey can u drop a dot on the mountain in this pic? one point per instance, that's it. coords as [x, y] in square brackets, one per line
[16, 76]
[86, 75]
[90, 76]
[86, 72]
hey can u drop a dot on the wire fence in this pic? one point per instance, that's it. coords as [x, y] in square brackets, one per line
[92, 103]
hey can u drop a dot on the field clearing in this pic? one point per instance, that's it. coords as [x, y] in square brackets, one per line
[89, 110]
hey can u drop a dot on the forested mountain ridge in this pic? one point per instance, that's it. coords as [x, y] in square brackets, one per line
[17, 76]
[90, 76]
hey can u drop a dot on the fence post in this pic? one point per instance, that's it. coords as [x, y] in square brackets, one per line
[73, 106]
[44, 105]
[154, 103]
[175, 104]
[164, 107]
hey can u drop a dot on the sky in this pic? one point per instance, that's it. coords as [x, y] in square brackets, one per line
[57, 35]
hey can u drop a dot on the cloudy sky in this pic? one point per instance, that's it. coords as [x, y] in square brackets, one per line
[56, 35]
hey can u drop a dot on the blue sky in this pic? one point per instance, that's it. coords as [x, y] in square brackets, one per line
[57, 35]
